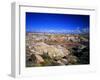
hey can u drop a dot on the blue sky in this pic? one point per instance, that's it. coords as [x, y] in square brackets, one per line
[47, 22]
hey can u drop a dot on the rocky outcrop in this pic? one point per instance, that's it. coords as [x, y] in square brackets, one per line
[53, 51]
[48, 55]
[44, 49]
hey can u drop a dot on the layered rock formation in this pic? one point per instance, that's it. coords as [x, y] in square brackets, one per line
[56, 49]
[40, 52]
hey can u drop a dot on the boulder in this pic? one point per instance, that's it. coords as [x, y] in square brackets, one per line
[60, 63]
[72, 59]
[37, 58]
[65, 61]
